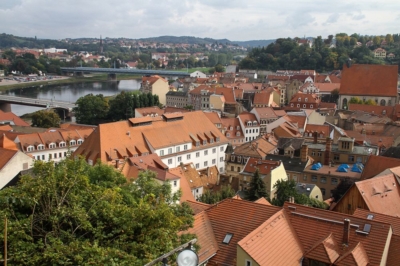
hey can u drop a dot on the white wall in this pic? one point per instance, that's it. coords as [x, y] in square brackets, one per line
[13, 167]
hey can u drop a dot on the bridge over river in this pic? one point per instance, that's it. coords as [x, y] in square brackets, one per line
[112, 72]
[7, 100]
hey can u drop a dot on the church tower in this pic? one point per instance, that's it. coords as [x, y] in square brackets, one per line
[101, 45]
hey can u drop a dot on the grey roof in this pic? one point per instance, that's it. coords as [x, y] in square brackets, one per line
[304, 188]
[296, 143]
[177, 93]
[393, 152]
[362, 150]
[291, 164]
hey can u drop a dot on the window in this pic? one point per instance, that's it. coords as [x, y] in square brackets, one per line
[169, 161]
[30, 148]
[197, 166]
[80, 141]
[178, 149]
[62, 144]
[221, 159]
[323, 191]
[238, 169]
[162, 153]
[248, 263]
[205, 164]
[52, 145]
[227, 238]
[345, 145]
[221, 148]
[238, 134]
[323, 179]
[60, 155]
[197, 154]
[313, 178]
[351, 158]
[169, 150]
[299, 99]
[334, 181]
[175, 183]
[55, 155]
[40, 147]
[197, 143]
[232, 168]
[214, 150]
[336, 157]
[204, 142]
[291, 105]
[311, 106]
[221, 169]
[43, 157]
[65, 154]
[304, 105]
[188, 157]
[50, 156]
[205, 152]
[228, 134]
[72, 142]
[256, 130]
[319, 154]
[298, 105]
[305, 178]
[214, 161]
[179, 159]
[247, 131]
[306, 99]
[185, 147]
[313, 153]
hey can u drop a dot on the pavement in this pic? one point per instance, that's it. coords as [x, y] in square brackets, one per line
[5, 82]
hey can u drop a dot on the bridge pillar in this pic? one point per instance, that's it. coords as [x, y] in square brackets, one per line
[78, 74]
[112, 77]
[5, 107]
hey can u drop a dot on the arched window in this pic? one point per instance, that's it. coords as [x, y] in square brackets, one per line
[299, 99]
[304, 106]
[344, 106]
[298, 105]
[383, 102]
[306, 99]
[254, 123]
[291, 105]
[311, 106]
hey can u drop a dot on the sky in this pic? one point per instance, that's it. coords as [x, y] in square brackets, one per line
[236, 20]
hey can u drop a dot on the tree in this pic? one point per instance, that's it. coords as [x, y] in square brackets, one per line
[257, 189]
[45, 118]
[356, 100]
[74, 214]
[342, 188]
[211, 197]
[122, 106]
[389, 39]
[284, 190]
[219, 68]
[91, 109]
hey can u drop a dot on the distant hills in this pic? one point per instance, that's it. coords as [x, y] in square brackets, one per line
[8, 40]
[197, 40]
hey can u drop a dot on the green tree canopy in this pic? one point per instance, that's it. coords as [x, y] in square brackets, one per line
[257, 189]
[212, 197]
[45, 118]
[75, 214]
[91, 109]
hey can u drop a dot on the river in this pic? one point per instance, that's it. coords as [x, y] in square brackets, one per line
[69, 92]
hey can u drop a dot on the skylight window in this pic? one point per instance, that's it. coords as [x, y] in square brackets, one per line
[227, 238]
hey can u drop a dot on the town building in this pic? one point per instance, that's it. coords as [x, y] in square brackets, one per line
[177, 99]
[155, 85]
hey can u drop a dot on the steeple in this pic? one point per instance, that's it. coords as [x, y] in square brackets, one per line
[101, 45]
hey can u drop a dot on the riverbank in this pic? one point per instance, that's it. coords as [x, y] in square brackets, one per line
[60, 80]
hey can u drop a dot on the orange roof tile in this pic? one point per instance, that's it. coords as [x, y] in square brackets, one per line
[264, 166]
[184, 186]
[5, 156]
[392, 220]
[214, 117]
[198, 206]
[262, 98]
[205, 236]
[394, 251]
[7, 143]
[327, 87]
[357, 256]
[364, 79]
[9, 116]
[312, 225]
[229, 216]
[320, 129]
[299, 120]
[247, 117]
[266, 244]
[325, 251]
[263, 201]
[381, 194]
[377, 164]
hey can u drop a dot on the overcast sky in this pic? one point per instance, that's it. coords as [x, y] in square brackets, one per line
[236, 20]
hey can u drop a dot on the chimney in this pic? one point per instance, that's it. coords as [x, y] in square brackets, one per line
[328, 150]
[315, 135]
[346, 232]
[303, 153]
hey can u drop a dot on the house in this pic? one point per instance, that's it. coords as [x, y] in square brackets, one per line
[270, 173]
[266, 99]
[378, 194]
[155, 85]
[290, 146]
[315, 132]
[198, 74]
[131, 64]
[369, 82]
[312, 191]
[250, 126]
[265, 116]
[152, 111]
[286, 130]
[331, 238]
[177, 99]
[232, 130]
[379, 53]
[237, 158]
[9, 118]
[304, 101]
[293, 87]
[186, 138]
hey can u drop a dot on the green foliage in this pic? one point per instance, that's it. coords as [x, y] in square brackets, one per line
[91, 109]
[285, 189]
[357, 100]
[342, 188]
[45, 118]
[74, 214]
[257, 189]
[211, 197]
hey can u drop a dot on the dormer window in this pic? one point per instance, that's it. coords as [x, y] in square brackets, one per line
[228, 134]
[52, 145]
[306, 99]
[230, 128]
[80, 141]
[217, 139]
[291, 105]
[249, 124]
[237, 127]
[72, 142]
[40, 147]
[204, 142]
[197, 143]
[232, 158]
[62, 144]
[30, 148]
[239, 159]
[211, 140]
[254, 123]
[299, 99]
[237, 134]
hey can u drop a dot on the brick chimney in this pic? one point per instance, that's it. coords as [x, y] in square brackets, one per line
[315, 135]
[346, 232]
[328, 151]
[304, 153]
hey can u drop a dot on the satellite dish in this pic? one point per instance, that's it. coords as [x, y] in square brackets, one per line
[187, 258]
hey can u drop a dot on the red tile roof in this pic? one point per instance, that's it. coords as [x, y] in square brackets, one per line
[266, 243]
[198, 206]
[9, 116]
[314, 225]
[5, 156]
[264, 166]
[388, 219]
[369, 80]
[7, 143]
